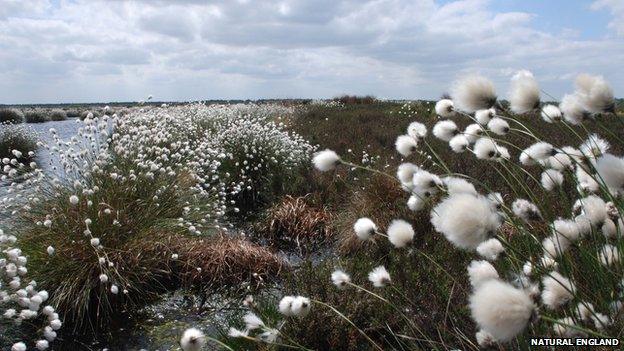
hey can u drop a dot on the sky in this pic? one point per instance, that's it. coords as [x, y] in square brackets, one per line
[54, 51]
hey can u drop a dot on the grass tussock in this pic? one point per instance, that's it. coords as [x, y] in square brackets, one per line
[57, 115]
[36, 116]
[295, 223]
[11, 116]
[16, 137]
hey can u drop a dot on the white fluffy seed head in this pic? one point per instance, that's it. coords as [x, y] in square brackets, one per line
[444, 108]
[486, 149]
[610, 170]
[379, 276]
[445, 130]
[364, 228]
[285, 305]
[608, 255]
[459, 143]
[498, 126]
[301, 306]
[524, 95]
[480, 272]
[557, 291]
[573, 111]
[400, 233]
[526, 210]
[192, 340]
[594, 208]
[326, 160]
[417, 130]
[406, 145]
[473, 93]
[594, 94]
[456, 185]
[551, 179]
[473, 132]
[406, 172]
[490, 249]
[500, 309]
[340, 279]
[483, 117]
[539, 151]
[465, 220]
[551, 113]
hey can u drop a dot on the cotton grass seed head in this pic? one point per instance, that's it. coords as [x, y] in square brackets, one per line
[473, 132]
[483, 117]
[558, 290]
[595, 94]
[406, 145]
[500, 309]
[326, 160]
[551, 113]
[364, 228]
[406, 171]
[445, 130]
[473, 93]
[498, 126]
[459, 143]
[524, 95]
[573, 112]
[490, 249]
[444, 108]
[400, 233]
[379, 276]
[465, 220]
[551, 179]
[340, 279]
[611, 171]
[417, 130]
[480, 272]
[192, 340]
[486, 149]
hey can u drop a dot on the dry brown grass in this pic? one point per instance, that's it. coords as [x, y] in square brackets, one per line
[293, 222]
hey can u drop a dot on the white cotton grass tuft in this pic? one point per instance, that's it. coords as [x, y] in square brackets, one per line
[585, 181]
[490, 249]
[364, 228]
[608, 255]
[484, 339]
[609, 229]
[301, 306]
[584, 311]
[425, 183]
[473, 132]
[539, 151]
[406, 145]
[416, 203]
[406, 171]
[498, 126]
[567, 228]
[444, 108]
[524, 95]
[555, 245]
[594, 147]
[74, 200]
[573, 111]
[472, 93]
[379, 276]
[561, 161]
[192, 340]
[445, 130]
[526, 210]
[417, 130]
[486, 149]
[326, 160]
[558, 290]
[456, 185]
[340, 279]
[459, 143]
[297, 306]
[594, 94]
[483, 117]
[594, 208]
[252, 321]
[500, 309]
[551, 113]
[465, 220]
[611, 171]
[400, 233]
[551, 179]
[481, 271]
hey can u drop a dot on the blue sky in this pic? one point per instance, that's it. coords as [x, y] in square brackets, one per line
[116, 50]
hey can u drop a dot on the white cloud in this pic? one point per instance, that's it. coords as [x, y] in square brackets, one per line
[88, 50]
[616, 7]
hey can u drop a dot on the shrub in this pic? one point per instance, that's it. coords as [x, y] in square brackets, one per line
[36, 116]
[73, 113]
[57, 115]
[11, 115]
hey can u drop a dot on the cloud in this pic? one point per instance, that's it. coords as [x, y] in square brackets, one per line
[616, 7]
[90, 50]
